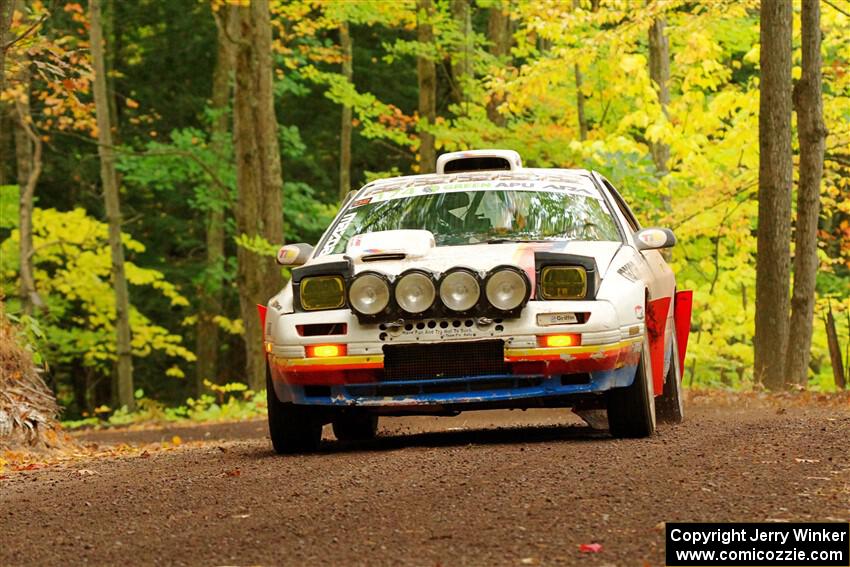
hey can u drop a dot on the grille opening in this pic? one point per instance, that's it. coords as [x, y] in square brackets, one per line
[444, 360]
[575, 379]
[322, 329]
[317, 391]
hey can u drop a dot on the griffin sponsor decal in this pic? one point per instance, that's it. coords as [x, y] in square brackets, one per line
[548, 319]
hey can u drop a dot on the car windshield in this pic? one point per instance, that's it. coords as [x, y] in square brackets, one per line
[479, 215]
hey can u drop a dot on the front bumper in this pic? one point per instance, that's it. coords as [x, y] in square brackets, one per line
[537, 376]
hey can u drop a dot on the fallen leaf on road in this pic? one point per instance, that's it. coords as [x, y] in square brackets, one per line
[87, 472]
[528, 561]
[807, 460]
[176, 440]
[144, 454]
[590, 547]
[234, 472]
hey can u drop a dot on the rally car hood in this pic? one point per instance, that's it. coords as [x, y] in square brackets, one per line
[393, 252]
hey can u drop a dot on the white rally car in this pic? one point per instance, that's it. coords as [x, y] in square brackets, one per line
[484, 285]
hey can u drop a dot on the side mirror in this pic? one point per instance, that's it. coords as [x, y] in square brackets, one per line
[655, 239]
[294, 254]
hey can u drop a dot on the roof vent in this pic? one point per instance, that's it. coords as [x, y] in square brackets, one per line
[479, 160]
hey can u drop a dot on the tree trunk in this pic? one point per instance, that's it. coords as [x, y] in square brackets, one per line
[7, 172]
[28, 156]
[463, 56]
[28, 148]
[582, 118]
[123, 392]
[259, 210]
[808, 103]
[834, 350]
[659, 72]
[5, 22]
[207, 345]
[774, 194]
[108, 23]
[427, 74]
[499, 35]
[345, 123]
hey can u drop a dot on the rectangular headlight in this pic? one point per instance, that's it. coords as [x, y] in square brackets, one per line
[322, 292]
[563, 282]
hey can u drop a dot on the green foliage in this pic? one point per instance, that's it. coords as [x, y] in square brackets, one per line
[72, 272]
[8, 206]
[230, 402]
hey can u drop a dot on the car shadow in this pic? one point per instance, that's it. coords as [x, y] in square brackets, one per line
[478, 436]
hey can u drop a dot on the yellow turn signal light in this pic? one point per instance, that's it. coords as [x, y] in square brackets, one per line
[567, 340]
[325, 351]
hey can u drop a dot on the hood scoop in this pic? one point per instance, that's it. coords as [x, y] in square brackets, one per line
[389, 245]
[385, 257]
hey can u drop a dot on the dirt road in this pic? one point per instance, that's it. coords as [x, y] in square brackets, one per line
[505, 488]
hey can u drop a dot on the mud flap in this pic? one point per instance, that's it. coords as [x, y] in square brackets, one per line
[682, 318]
[656, 323]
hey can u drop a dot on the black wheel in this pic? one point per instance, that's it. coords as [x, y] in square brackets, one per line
[355, 426]
[631, 410]
[669, 406]
[293, 429]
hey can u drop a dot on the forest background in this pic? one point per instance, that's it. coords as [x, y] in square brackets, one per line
[208, 111]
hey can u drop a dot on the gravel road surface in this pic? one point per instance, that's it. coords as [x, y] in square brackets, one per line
[486, 488]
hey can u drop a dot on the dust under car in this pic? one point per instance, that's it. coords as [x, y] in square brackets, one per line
[484, 285]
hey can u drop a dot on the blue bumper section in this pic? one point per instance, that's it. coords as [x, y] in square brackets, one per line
[477, 390]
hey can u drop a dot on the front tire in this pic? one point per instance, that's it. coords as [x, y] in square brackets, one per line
[355, 426]
[669, 406]
[293, 429]
[631, 410]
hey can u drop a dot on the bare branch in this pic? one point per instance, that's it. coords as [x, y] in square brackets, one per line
[35, 25]
[836, 8]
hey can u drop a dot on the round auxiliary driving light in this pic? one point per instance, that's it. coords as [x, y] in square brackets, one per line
[369, 294]
[506, 289]
[459, 290]
[415, 292]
